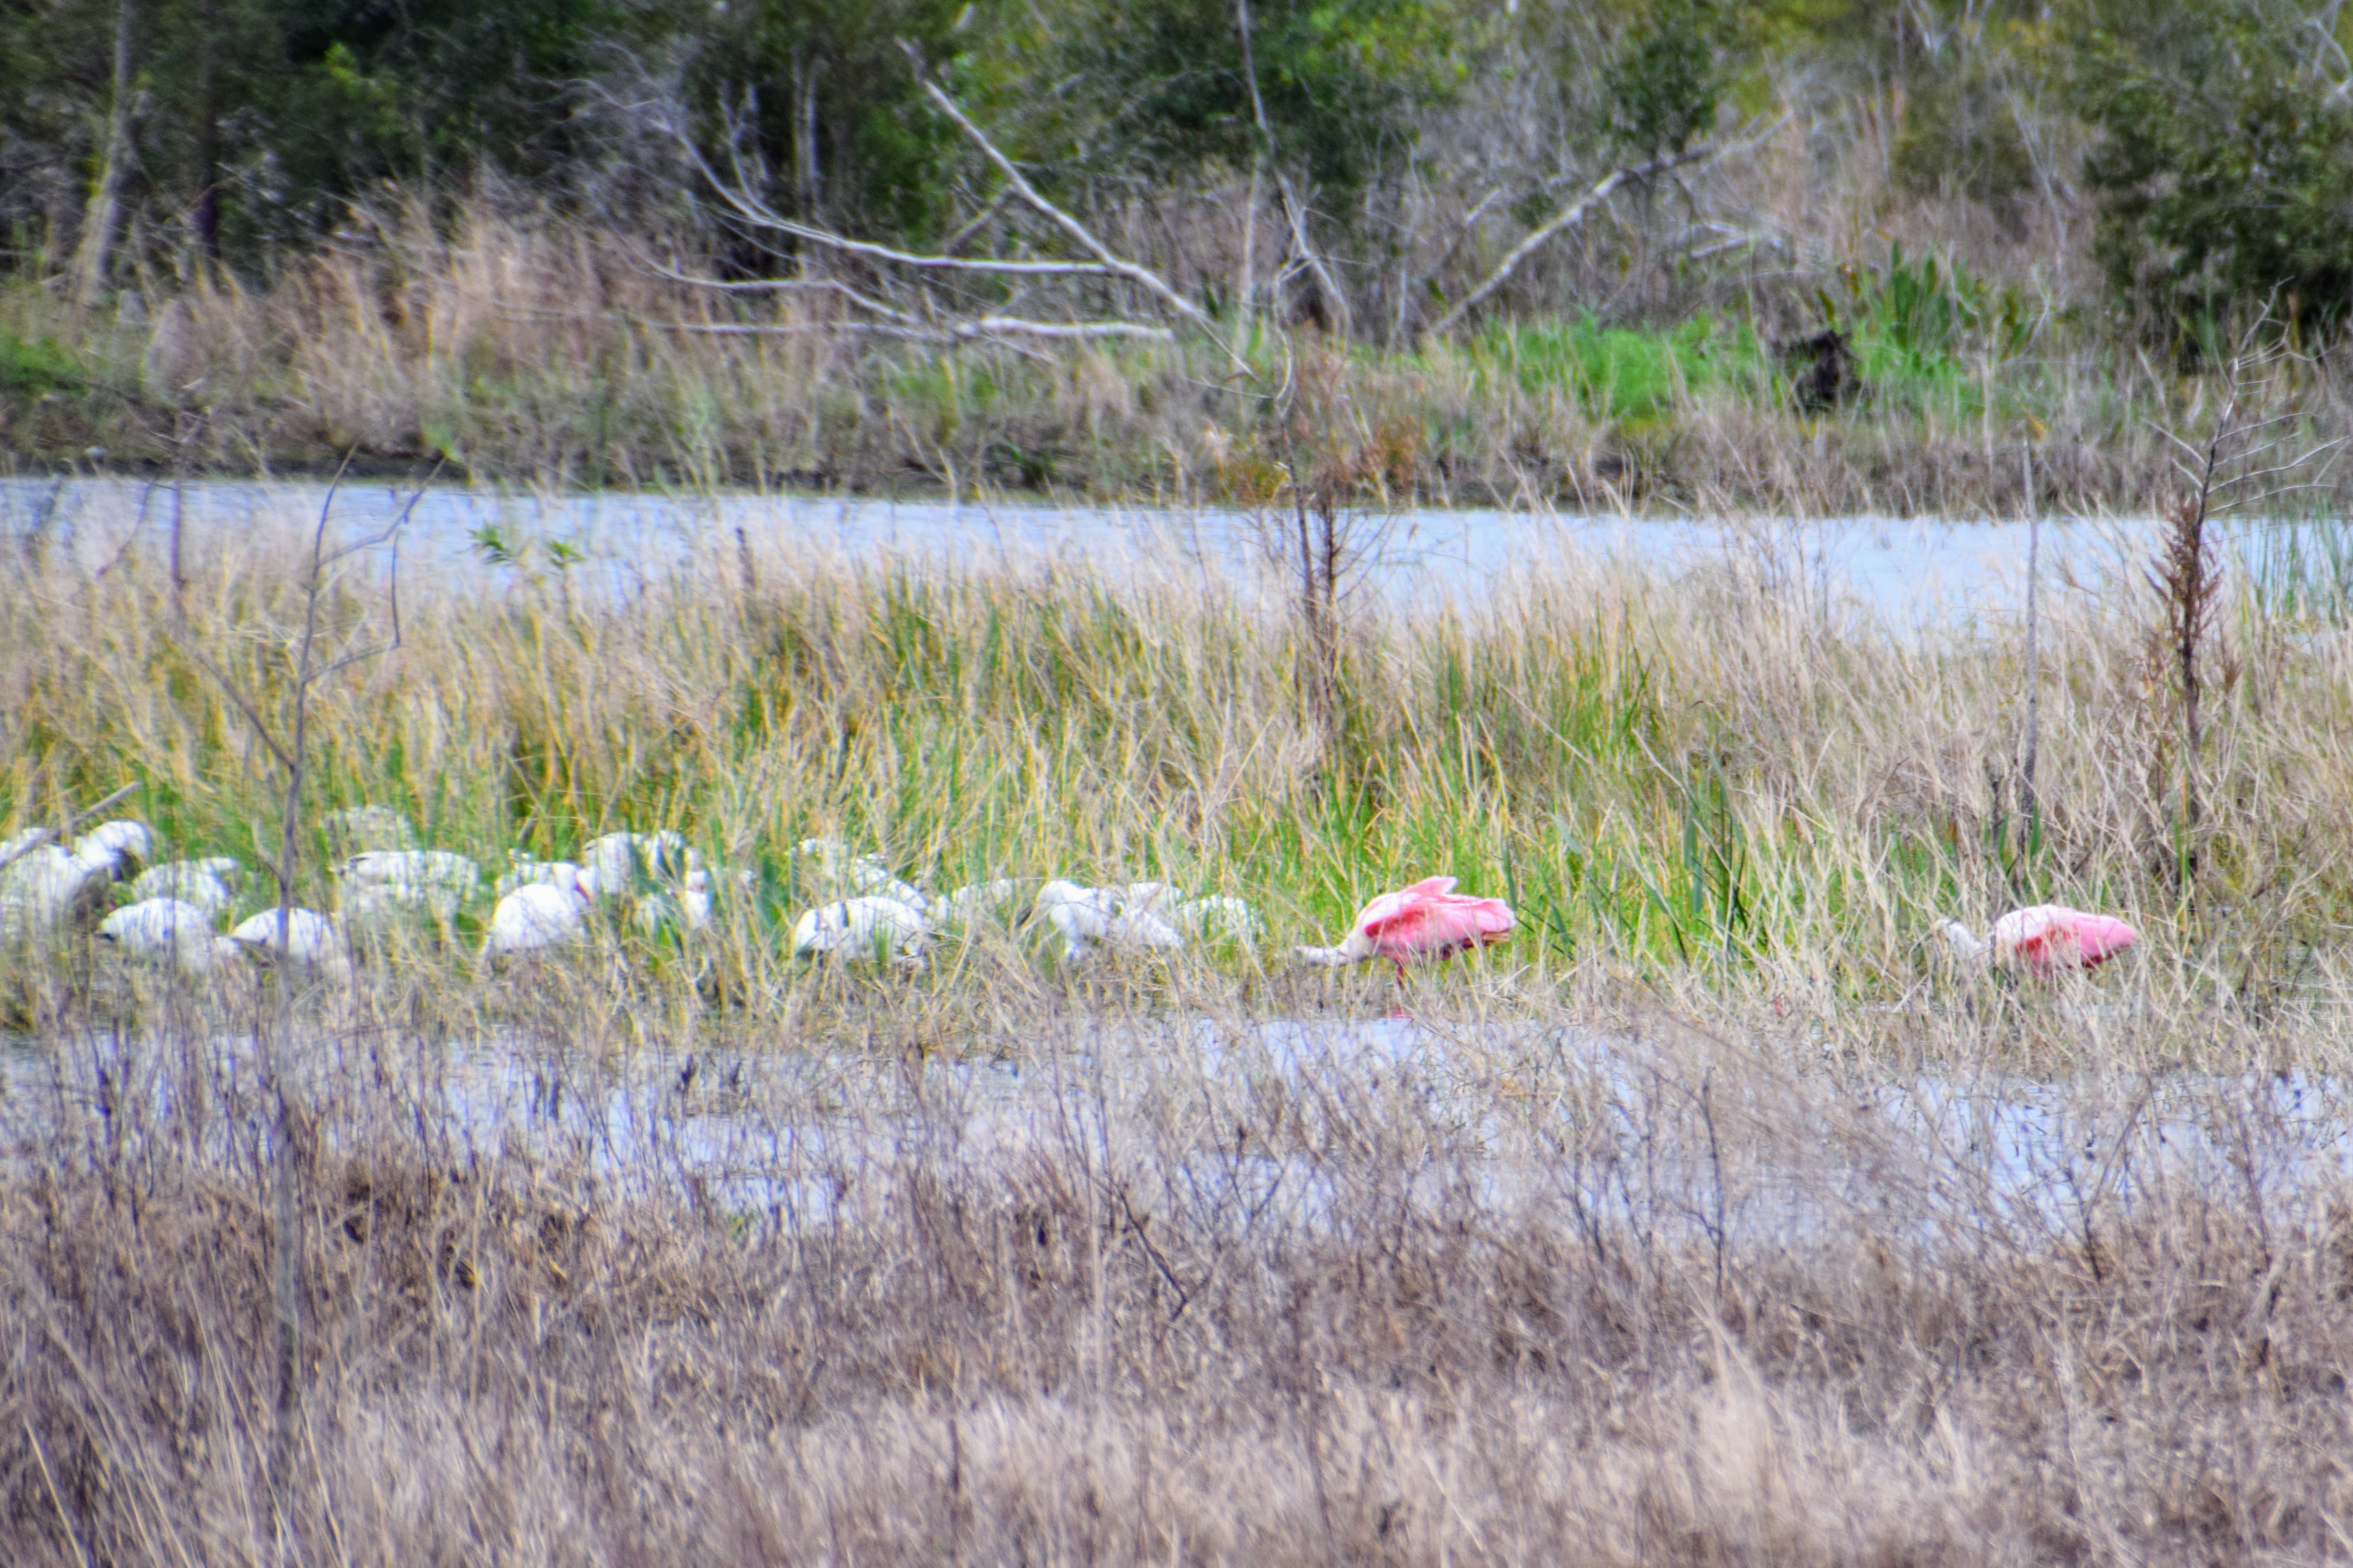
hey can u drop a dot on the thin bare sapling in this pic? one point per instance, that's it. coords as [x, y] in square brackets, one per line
[311, 660]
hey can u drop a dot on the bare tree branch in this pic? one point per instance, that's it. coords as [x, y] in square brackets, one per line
[1143, 276]
[758, 213]
[1566, 218]
[740, 197]
[959, 331]
[980, 220]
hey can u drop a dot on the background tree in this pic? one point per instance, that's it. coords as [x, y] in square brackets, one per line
[2224, 164]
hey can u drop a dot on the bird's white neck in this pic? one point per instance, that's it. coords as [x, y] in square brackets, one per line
[1962, 941]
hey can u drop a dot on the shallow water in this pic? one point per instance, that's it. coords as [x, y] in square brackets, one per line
[1271, 1121]
[1912, 571]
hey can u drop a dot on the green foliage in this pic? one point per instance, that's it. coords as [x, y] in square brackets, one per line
[835, 106]
[1922, 330]
[1338, 78]
[1960, 138]
[1928, 311]
[257, 119]
[31, 369]
[1625, 372]
[1667, 78]
[2225, 168]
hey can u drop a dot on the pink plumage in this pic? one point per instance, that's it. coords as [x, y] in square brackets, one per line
[1426, 920]
[2048, 938]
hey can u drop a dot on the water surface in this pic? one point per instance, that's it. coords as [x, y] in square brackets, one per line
[1912, 571]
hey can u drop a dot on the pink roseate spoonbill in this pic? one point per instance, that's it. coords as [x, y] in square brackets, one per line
[1426, 920]
[2043, 940]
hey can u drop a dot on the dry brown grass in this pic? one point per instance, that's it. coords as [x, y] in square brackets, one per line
[1521, 1299]
[524, 348]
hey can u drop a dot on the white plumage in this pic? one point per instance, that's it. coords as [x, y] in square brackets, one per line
[525, 873]
[1080, 915]
[621, 859]
[158, 930]
[860, 928]
[687, 911]
[1217, 918]
[824, 865]
[1132, 919]
[209, 884]
[1143, 930]
[314, 946]
[392, 881]
[870, 877]
[538, 917]
[117, 842]
[976, 902]
[45, 888]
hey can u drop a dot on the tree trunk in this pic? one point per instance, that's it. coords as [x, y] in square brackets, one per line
[106, 197]
[206, 218]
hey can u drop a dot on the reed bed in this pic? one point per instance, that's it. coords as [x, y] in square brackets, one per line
[1737, 779]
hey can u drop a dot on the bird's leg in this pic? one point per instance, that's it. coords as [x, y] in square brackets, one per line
[1399, 1010]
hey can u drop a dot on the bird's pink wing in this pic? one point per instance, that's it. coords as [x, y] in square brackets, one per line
[1482, 919]
[1448, 924]
[1494, 916]
[2101, 937]
[1391, 913]
[2051, 937]
[2024, 936]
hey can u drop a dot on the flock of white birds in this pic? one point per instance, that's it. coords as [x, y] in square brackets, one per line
[170, 914]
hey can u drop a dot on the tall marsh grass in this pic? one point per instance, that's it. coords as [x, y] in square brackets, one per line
[1725, 780]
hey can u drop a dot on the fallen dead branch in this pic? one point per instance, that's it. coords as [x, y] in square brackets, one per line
[1143, 276]
[741, 198]
[1568, 218]
[963, 330]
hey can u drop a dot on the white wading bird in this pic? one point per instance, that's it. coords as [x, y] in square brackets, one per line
[1217, 918]
[689, 911]
[623, 860]
[209, 884]
[977, 901]
[157, 930]
[861, 928]
[120, 841]
[541, 915]
[45, 888]
[824, 865]
[392, 881]
[1132, 919]
[313, 947]
[524, 873]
